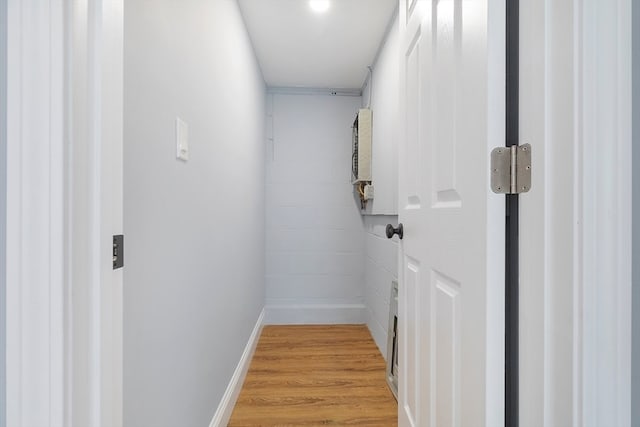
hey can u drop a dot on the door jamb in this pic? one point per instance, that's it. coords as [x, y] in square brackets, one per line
[64, 134]
[576, 226]
[35, 321]
[602, 333]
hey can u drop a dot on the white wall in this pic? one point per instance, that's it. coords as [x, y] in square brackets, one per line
[635, 357]
[314, 233]
[381, 268]
[194, 231]
[383, 96]
[381, 261]
[3, 206]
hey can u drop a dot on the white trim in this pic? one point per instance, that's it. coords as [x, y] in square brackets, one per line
[494, 346]
[64, 125]
[635, 352]
[315, 314]
[35, 215]
[225, 408]
[93, 115]
[578, 269]
[604, 122]
[559, 216]
[575, 226]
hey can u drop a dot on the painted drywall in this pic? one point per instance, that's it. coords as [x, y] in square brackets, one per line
[635, 356]
[194, 231]
[381, 268]
[380, 93]
[3, 210]
[314, 231]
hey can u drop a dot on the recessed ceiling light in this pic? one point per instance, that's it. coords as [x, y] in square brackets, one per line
[319, 6]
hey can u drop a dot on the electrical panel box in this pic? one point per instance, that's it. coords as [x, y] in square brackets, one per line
[361, 147]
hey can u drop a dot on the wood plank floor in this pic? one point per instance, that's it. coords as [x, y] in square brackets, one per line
[316, 375]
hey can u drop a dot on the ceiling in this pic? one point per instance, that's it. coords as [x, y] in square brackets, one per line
[297, 47]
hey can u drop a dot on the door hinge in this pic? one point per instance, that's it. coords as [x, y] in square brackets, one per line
[511, 169]
[118, 251]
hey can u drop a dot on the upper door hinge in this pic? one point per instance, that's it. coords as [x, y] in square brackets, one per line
[511, 169]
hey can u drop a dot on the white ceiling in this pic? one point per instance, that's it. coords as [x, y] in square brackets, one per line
[299, 48]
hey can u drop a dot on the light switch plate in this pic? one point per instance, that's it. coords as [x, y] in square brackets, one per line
[182, 139]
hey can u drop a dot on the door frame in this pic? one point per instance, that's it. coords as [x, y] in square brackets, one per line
[64, 201]
[603, 325]
[35, 321]
[575, 229]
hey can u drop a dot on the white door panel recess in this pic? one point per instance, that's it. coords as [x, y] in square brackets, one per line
[452, 254]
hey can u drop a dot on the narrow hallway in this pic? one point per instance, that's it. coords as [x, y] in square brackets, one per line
[257, 224]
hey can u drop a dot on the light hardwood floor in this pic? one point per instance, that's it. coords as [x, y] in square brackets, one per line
[315, 375]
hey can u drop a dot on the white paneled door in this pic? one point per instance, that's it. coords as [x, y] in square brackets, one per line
[452, 254]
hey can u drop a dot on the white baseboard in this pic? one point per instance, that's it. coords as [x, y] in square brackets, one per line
[315, 314]
[223, 414]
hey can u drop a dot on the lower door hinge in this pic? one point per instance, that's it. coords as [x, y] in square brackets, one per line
[511, 169]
